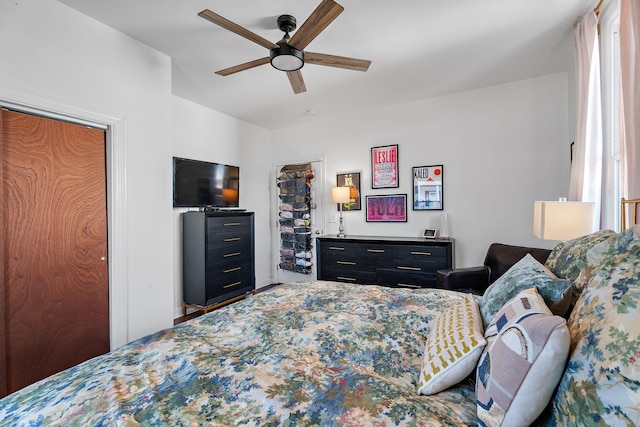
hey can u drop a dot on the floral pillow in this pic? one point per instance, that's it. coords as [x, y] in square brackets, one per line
[568, 259]
[523, 275]
[601, 385]
[523, 361]
[616, 246]
[453, 347]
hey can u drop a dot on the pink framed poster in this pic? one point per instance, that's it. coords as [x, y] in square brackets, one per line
[384, 167]
[387, 208]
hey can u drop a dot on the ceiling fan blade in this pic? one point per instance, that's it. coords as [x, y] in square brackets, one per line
[325, 13]
[242, 67]
[336, 61]
[235, 28]
[297, 83]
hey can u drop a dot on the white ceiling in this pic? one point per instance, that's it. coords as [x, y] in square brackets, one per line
[418, 48]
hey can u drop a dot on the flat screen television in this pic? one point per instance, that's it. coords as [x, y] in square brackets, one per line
[205, 184]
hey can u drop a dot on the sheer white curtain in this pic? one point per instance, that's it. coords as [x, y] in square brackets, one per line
[586, 169]
[630, 82]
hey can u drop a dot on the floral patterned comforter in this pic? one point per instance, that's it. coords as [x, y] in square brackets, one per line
[318, 353]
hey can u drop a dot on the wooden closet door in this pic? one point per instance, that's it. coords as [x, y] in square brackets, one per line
[54, 247]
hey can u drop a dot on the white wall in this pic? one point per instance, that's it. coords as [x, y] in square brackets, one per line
[52, 52]
[204, 134]
[255, 183]
[502, 148]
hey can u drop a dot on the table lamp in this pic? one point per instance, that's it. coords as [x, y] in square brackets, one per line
[563, 220]
[341, 195]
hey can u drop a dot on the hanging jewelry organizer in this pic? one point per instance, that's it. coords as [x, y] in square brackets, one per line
[294, 186]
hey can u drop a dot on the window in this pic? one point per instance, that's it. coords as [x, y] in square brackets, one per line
[609, 20]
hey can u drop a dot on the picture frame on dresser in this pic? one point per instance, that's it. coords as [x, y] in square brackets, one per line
[384, 167]
[428, 188]
[352, 180]
[386, 208]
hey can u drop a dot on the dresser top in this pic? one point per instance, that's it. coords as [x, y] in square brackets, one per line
[220, 212]
[384, 239]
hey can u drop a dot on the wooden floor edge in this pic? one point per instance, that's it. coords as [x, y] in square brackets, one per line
[200, 310]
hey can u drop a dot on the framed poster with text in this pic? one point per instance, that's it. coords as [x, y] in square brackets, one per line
[384, 167]
[387, 208]
[428, 191]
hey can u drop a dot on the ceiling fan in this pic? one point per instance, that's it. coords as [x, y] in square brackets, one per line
[288, 54]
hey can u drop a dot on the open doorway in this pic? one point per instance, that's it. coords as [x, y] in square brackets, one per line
[297, 207]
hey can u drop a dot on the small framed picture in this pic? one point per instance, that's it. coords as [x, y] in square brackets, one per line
[427, 188]
[387, 208]
[384, 167]
[351, 180]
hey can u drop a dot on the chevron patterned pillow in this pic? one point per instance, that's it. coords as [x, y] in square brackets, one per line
[453, 347]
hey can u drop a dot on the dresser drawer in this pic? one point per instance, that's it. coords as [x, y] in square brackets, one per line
[232, 282]
[223, 225]
[348, 276]
[221, 243]
[216, 264]
[235, 286]
[418, 258]
[344, 262]
[416, 264]
[421, 253]
[406, 278]
[353, 253]
[222, 275]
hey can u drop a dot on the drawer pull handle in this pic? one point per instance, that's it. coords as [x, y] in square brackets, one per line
[232, 239]
[377, 251]
[335, 248]
[351, 279]
[406, 285]
[232, 254]
[421, 253]
[232, 285]
[231, 270]
[231, 224]
[345, 262]
[400, 267]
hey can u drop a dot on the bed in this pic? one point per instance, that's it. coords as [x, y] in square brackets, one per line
[316, 353]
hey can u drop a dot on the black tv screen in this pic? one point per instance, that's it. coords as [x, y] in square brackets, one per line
[201, 184]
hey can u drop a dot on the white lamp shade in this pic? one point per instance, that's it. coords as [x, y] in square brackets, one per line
[341, 194]
[563, 220]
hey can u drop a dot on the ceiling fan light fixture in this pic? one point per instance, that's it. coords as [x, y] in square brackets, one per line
[286, 58]
[291, 57]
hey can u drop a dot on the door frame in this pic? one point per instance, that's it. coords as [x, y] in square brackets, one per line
[319, 202]
[116, 193]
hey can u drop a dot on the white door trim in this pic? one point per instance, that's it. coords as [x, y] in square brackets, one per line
[116, 197]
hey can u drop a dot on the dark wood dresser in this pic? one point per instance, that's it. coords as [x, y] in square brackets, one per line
[389, 261]
[217, 256]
